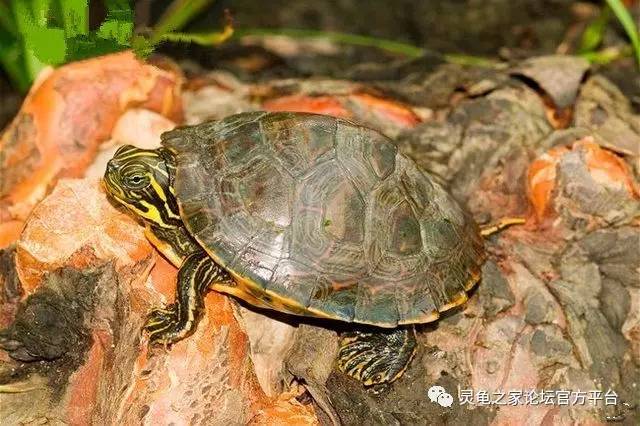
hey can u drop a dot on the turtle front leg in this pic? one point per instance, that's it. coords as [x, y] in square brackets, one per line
[377, 357]
[178, 320]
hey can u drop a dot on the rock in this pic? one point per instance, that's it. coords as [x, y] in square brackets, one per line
[88, 232]
[631, 327]
[582, 178]
[604, 110]
[387, 115]
[313, 354]
[615, 302]
[215, 95]
[53, 136]
[10, 232]
[539, 307]
[440, 86]
[614, 251]
[285, 411]
[311, 360]
[68, 326]
[558, 75]
[557, 308]
[314, 104]
[138, 127]
[483, 146]
[494, 294]
[598, 345]
[270, 341]
[10, 287]
[78, 333]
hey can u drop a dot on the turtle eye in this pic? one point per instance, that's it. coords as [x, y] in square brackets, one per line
[136, 181]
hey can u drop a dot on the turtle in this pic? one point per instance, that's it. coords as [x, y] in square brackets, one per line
[307, 214]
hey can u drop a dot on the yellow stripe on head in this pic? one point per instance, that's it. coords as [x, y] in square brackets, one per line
[140, 180]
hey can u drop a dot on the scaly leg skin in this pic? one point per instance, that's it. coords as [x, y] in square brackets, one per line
[377, 358]
[176, 321]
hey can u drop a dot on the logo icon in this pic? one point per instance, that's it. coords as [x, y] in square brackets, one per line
[439, 395]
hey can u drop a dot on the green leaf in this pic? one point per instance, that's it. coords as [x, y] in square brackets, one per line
[6, 20]
[49, 45]
[118, 24]
[593, 34]
[40, 11]
[141, 46]
[36, 33]
[23, 12]
[627, 23]
[13, 64]
[75, 17]
[84, 47]
[111, 5]
[116, 30]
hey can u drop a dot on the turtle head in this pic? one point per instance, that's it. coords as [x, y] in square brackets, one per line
[141, 180]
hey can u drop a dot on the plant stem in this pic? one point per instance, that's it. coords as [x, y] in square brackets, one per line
[175, 17]
[392, 46]
[353, 39]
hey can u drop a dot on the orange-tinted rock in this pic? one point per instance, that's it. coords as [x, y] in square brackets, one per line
[139, 127]
[77, 226]
[631, 327]
[67, 115]
[216, 95]
[383, 114]
[9, 232]
[361, 106]
[286, 411]
[329, 105]
[206, 378]
[606, 168]
[386, 109]
[83, 389]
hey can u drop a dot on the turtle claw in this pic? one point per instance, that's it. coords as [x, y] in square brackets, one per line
[159, 318]
[376, 358]
[379, 388]
[163, 326]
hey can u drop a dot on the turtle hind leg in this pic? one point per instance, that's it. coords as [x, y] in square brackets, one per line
[376, 357]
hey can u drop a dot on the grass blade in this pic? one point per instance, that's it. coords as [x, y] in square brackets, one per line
[593, 34]
[627, 23]
[176, 16]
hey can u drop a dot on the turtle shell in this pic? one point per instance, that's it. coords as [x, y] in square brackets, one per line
[319, 216]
